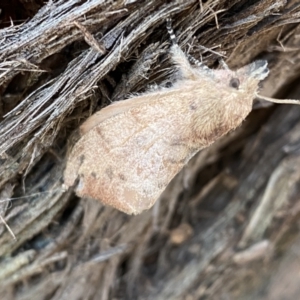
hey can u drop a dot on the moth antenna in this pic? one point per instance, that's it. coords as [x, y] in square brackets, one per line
[171, 32]
[281, 101]
[190, 57]
[198, 63]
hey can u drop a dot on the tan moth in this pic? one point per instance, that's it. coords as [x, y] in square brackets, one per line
[130, 151]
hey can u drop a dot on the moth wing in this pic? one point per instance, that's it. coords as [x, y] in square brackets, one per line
[112, 110]
[128, 159]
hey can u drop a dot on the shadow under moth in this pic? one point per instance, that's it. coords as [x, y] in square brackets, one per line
[130, 151]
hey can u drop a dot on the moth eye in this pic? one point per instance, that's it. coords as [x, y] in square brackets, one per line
[234, 83]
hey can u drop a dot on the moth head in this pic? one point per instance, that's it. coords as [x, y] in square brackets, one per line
[246, 78]
[250, 75]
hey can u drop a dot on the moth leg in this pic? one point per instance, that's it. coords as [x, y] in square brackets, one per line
[182, 60]
[224, 65]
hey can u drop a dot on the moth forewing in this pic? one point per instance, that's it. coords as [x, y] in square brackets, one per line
[127, 160]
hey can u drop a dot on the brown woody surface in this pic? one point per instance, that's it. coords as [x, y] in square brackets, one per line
[227, 225]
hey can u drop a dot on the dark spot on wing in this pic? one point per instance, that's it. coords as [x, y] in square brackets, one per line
[122, 177]
[99, 132]
[174, 161]
[160, 185]
[193, 106]
[81, 158]
[93, 174]
[175, 142]
[109, 172]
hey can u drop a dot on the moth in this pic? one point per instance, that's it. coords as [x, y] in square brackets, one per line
[130, 150]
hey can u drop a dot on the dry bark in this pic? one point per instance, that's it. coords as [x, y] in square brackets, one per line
[224, 225]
